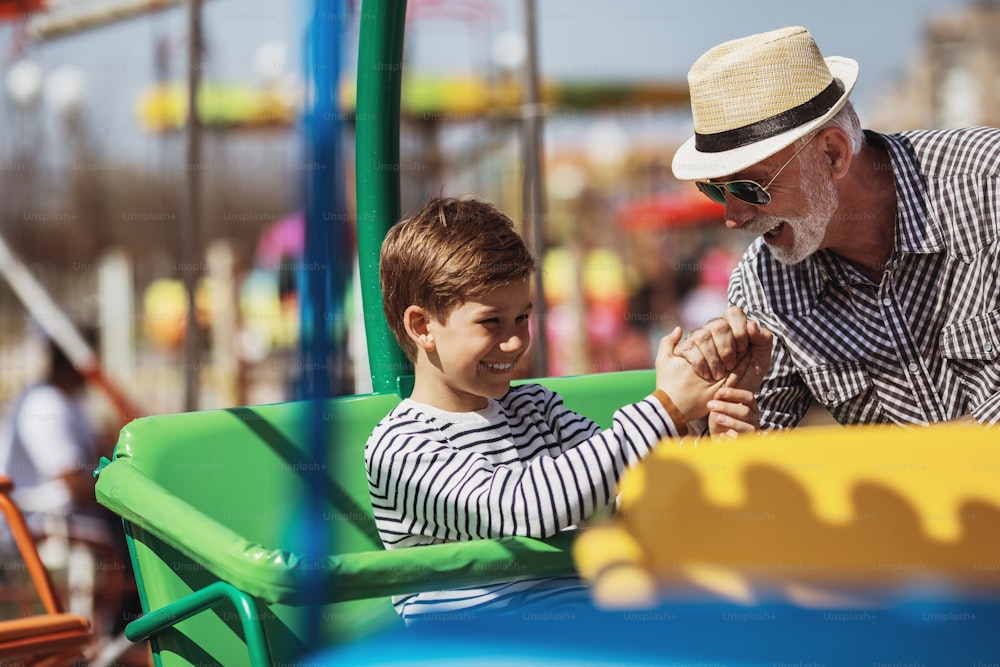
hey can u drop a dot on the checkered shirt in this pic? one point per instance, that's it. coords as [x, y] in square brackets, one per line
[923, 344]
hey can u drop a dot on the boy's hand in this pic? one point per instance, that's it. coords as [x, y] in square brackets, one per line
[733, 411]
[675, 376]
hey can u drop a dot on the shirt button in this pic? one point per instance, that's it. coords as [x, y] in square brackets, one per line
[831, 396]
[913, 367]
[886, 301]
[988, 347]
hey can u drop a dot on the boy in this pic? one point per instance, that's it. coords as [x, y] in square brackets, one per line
[467, 456]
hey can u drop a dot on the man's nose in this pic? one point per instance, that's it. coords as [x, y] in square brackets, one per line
[738, 213]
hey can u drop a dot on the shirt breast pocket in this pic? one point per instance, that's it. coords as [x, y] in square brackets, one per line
[846, 390]
[971, 348]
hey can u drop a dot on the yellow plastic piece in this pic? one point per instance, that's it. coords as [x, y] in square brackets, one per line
[814, 514]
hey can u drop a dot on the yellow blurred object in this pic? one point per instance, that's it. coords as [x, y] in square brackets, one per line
[271, 321]
[165, 310]
[424, 97]
[427, 96]
[163, 108]
[813, 515]
[604, 276]
[612, 559]
[559, 277]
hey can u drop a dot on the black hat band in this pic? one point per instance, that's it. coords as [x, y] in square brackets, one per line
[811, 109]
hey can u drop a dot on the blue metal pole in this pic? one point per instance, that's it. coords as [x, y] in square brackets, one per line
[322, 275]
[328, 248]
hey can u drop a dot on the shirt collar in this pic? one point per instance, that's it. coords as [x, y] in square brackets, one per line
[917, 229]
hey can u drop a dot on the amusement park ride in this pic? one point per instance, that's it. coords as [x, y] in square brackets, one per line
[253, 543]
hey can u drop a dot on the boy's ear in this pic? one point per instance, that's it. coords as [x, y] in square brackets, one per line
[415, 319]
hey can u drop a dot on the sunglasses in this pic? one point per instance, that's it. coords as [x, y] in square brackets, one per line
[750, 192]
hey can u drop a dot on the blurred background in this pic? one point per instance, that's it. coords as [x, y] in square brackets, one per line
[95, 173]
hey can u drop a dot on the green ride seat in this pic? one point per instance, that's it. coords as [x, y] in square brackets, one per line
[214, 509]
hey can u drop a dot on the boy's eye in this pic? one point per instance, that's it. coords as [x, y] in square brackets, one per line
[495, 321]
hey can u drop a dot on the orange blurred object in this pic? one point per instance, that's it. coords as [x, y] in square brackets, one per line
[52, 637]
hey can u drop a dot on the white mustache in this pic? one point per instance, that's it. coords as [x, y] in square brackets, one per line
[762, 224]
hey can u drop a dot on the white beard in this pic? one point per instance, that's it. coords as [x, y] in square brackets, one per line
[807, 230]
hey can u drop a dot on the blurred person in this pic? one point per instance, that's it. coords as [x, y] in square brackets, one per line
[708, 297]
[876, 260]
[49, 443]
[50, 446]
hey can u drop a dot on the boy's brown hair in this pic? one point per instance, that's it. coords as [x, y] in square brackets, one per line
[450, 251]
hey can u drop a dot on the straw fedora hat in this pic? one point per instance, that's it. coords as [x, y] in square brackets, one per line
[753, 96]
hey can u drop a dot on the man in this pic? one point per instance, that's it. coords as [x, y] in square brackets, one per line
[876, 262]
[49, 444]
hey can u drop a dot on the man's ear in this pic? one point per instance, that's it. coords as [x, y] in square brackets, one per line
[836, 148]
[416, 319]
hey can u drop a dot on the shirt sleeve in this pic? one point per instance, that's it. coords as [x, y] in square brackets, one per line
[783, 398]
[422, 485]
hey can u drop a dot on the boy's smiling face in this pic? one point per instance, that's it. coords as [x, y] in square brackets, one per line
[471, 356]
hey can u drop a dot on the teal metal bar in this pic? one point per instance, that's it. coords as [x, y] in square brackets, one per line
[203, 600]
[380, 70]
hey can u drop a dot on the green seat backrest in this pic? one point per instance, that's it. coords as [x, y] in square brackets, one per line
[245, 468]
[598, 395]
[247, 471]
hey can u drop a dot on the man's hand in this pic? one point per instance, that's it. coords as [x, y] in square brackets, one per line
[714, 349]
[749, 375]
[720, 348]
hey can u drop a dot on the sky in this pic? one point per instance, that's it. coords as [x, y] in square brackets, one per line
[623, 39]
[648, 39]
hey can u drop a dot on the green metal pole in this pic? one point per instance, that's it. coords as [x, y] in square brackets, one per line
[380, 70]
[165, 618]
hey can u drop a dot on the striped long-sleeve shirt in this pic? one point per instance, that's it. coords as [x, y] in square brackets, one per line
[525, 465]
[923, 344]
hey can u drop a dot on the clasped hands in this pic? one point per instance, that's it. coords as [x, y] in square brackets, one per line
[728, 358]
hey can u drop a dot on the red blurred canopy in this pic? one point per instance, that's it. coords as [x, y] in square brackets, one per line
[669, 211]
[16, 9]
